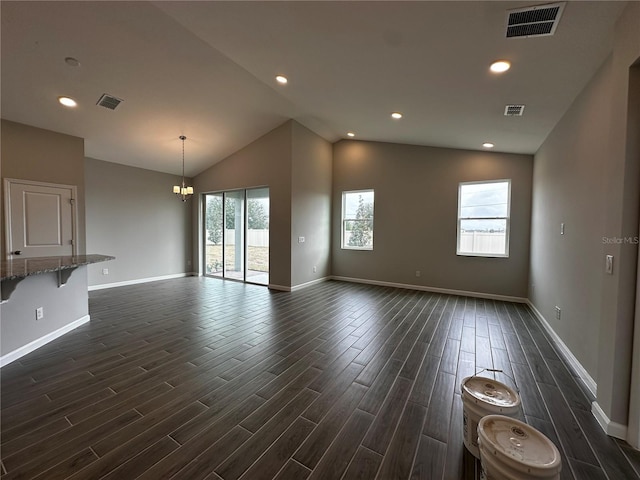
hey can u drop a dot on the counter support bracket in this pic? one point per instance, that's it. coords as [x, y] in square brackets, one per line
[63, 276]
[8, 286]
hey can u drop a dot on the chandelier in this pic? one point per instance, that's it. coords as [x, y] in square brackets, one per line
[183, 190]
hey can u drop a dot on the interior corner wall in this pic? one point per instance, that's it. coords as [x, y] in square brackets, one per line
[312, 159]
[266, 162]
[31, 153]
[133, 215]
[568, 187]
[585, 177]
[633, 135]
[623, 207]
[415, 216]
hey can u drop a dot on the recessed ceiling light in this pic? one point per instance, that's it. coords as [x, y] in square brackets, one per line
[67, 101]
[500, 66]
[488, 145]
[396, 115]
[351, 134]
[281, 79]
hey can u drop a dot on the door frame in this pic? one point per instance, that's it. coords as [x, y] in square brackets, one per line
[202, 240]
[8, 182]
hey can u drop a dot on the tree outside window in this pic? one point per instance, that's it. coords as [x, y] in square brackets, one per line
[357, 220]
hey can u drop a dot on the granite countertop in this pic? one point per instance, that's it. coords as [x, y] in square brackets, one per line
[25, 267]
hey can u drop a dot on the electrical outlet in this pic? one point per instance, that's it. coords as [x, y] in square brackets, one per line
[314, 269]
[558, 312]
[300, 239]
[39, 313]
[188, 263]
[105, 271]
[418, 273]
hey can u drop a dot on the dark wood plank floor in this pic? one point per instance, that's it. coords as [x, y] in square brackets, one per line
[199, 378]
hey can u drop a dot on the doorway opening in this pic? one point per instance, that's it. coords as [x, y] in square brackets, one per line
[236, 235]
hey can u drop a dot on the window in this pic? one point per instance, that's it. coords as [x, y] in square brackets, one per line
[357, 220]
[483, 218]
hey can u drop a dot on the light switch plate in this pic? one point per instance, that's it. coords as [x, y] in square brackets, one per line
[609, 264]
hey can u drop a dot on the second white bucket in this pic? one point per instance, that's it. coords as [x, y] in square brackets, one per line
[513, 450]
[484, 396]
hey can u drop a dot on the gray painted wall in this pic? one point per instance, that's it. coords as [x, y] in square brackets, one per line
[587, 175]
[133, 215]
[416, 198]
[35, 154]
[634, 149]
[567, 270]
[266, 162]
[311, 177]
[30, 153]
[61, 307]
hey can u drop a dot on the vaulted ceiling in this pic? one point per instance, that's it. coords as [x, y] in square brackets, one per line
[206, 69]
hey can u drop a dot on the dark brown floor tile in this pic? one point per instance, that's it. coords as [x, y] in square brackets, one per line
[187, 464]
[280, 452]
[339, 455]
[317, 443]
[293, 470]
[66, 468]
[145, 459]
[430, 459]
[364, 466]
[607, 451]
[398, 460]
[167, 375]
[585, 471]
[570, 435]
[438, 418]
[384, 425]
[242, 458]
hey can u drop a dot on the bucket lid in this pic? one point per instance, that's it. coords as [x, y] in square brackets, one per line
[490, 391]
[519, 441]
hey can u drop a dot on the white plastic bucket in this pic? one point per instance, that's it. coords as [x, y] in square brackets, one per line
[484, 396]
[513, 450]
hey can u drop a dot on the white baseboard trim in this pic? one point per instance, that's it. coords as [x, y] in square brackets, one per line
[423, 288]
[281, 288]
[589, 382]
[31, 346]
[612, 429]
[139, 280]
[308, 284]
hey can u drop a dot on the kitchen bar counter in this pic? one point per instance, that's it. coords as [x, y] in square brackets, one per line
[14, 270]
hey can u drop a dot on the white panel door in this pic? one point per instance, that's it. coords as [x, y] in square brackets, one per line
[40, 219]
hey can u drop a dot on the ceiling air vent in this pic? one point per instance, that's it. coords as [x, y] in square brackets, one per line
[109, 101]
[536, 21]
[513, 110]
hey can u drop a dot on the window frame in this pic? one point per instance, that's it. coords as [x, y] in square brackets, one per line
[507, 220]
[343, 220]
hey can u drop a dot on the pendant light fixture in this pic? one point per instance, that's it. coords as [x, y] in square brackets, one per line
[183, 190]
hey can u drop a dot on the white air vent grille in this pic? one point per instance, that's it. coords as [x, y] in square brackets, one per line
[109, 101]
[536, 21]
[513, 110]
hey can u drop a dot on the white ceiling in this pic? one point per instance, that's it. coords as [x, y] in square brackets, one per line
[206, 70]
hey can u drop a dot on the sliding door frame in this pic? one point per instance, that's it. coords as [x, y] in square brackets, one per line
[245, 233]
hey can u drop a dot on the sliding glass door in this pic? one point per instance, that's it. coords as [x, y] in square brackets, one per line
[258, 236]
[236, 235]
[213, 231]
